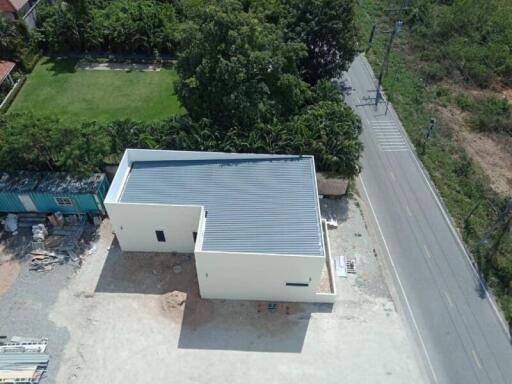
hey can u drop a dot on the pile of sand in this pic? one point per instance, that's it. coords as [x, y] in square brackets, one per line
[9, 271]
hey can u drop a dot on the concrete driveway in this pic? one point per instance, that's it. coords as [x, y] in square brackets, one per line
[131, 318]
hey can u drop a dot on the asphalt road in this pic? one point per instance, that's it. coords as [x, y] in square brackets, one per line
[460, 336]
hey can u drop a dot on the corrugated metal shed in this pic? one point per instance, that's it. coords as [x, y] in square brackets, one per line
[39, 191]
[262, 205]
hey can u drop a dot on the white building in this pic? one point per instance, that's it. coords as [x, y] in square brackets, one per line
[252, 221]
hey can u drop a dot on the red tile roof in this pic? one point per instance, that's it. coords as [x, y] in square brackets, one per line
[5, 68]
[12, 5]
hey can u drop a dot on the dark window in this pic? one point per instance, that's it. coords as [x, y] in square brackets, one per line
[64, 201]
[194, 235]
[297, 284]
[160, 236]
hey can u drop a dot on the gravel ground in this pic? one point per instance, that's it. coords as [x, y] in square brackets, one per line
[127, 318]
[25, 310]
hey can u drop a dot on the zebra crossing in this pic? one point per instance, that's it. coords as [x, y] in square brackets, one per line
[389, 136]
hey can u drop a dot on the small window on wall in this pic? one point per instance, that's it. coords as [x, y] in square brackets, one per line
[297, 284]
[64, 201]
[160, 236]
[194, 236]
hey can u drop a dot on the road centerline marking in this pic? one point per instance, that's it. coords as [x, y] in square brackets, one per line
[477, 360]
[450, 302]
[427, 251]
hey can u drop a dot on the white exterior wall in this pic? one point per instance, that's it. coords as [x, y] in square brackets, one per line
[221, 275]
[135, 226]
[248, 276]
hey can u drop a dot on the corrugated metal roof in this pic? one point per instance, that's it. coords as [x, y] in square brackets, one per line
[6, 67]
[48, 182]
[262, 205]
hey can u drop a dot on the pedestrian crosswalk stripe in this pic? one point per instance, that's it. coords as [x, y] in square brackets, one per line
[389, 136]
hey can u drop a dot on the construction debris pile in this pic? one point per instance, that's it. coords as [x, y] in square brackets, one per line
[68, 238]
[54, 239]
[23, 360]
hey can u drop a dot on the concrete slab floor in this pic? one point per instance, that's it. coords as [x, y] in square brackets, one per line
[125, 318]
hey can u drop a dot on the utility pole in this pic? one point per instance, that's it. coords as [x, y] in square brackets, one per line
[370, 40]
[397, 26]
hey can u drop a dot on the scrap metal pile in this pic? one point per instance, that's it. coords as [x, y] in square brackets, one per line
[65, 240]
[50, 240]
[23, 360]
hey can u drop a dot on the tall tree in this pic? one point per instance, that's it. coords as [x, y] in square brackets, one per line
[236, 70]
[13, 36]
[327, 28]
[330, 131]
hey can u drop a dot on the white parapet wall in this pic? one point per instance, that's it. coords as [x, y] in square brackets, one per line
[135, 226]
[146, 227]
[249, 276]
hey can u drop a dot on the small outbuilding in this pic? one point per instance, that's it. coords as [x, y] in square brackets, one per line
[6, 68]
[252, 221]
[331, 185]
[48, 192]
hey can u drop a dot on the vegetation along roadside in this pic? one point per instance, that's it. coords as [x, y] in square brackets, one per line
[436, 71]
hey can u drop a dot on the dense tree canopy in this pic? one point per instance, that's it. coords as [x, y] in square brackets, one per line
[13, 38]
[33, 143]
[327, 28]
[237, 71]
[252, 78]
[330, 131]
[122, 26]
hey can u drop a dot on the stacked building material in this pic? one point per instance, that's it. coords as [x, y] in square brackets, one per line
[23, 361]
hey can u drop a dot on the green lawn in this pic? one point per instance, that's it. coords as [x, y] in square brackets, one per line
[56, 88]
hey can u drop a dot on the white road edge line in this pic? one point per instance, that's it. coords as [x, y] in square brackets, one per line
[459, 241]
[400, 283]
[427, 251]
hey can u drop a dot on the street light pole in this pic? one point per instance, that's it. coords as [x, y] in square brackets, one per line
[428, 134]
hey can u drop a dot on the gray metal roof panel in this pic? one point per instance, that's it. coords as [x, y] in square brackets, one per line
[264, 204]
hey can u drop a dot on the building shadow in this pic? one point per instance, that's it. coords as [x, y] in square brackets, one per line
[236, 325]
[334, 209]
[250, 326]
[145, 272]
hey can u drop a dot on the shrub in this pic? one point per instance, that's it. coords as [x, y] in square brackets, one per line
[492, 114]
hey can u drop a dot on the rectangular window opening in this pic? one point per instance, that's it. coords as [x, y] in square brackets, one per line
[64, 201]
[297, 284]
[160, 236]
[194, 235]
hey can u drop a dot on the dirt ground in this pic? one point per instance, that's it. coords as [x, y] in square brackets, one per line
[126, 318]
[492, 152]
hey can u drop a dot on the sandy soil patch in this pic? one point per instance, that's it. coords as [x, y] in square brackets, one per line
[492, 152]
[9, 271]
